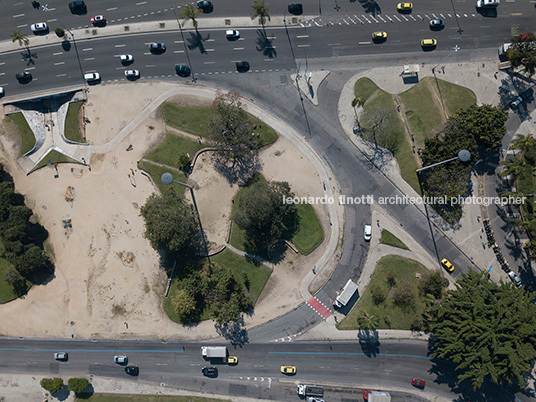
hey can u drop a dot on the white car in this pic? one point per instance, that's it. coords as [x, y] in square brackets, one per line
[2, 93]
[120, 359]
[39, 27]
[515, 278]
[367, 232]
[92, 77]
[232, 34]
[61, 356]
[126, 58]
[132, 74]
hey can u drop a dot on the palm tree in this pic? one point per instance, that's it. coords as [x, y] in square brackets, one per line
[522, 142]
[513, 167]
[188, 12]
[357, 102]
[260, 9]
[18, 36]
[367, 322]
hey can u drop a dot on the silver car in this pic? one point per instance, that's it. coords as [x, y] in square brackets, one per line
[39, 27]
[120, 359]
[132, 73]
[61, 356]
[126, 58]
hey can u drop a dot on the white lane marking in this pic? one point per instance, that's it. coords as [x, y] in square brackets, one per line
[178, 51]
[210, 40]
[61, 75]
[209, 50]
[141, 3]
[89, 59]
[364, 43]
[239, 48]
[178, 41]
[302, 36]
[57, 53]
[120, 45]
[19, 15]
[59, 63]
[87, 49]
[209, 62]
[303, 45]
[150, 65]
[111, 9]
[22, 26]
[2, 63]
[29, 68]
[52, 20]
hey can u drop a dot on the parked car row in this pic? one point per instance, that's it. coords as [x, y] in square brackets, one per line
[119, 359]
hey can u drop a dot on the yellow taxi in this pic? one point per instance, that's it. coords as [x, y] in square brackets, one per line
[380, 35]
[288, 369]
[404, 6]
[428, 42]
[231, 360]
[447, 265]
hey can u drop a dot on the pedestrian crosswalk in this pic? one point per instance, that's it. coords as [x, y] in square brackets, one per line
[319, 307]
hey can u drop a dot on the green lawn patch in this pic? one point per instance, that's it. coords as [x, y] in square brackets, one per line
[156, 172]
[389, 314]
[53, 157]
[173, 145]
[422, 110]
[455, 96]
[198, 119]
[310, 233]
[364, 88]
[391, 240]
[72, 123]
[102, 397]
[27, 137]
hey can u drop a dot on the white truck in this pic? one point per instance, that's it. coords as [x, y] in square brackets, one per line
[487, 3]
[214, 352]
[504, 48]
[376, 396]
[345, 294]
[309, 390]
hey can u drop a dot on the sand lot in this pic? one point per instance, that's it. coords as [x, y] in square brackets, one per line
[107, 281]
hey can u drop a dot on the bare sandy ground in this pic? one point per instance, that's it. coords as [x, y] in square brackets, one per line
[108, 283]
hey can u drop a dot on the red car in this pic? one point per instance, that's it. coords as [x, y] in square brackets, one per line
[98, 19]
[418, 383]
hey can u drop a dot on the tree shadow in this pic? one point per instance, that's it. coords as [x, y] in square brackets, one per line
[238, 171]
[62, 394]
[371, 7]
[264, 44]
[369, 342]
[28, 56]
[87, 393]
[235, 332]
[195, 41]
[487, 12]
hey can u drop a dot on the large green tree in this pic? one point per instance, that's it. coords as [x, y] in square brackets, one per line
[260, 10]
[523, 52]
[77, 385]
[170, 223]
[366, 321]
[485, 123]
[189, 13]
[487, 330]
[52, 385]
[184, 302]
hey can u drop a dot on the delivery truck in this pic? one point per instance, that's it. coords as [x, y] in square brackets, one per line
[376, 396]
[345, 294]
[310, 390]
[214, 352]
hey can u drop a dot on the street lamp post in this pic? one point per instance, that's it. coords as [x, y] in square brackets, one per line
[167, 178]
[464, 156]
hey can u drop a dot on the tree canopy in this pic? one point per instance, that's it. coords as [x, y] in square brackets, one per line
[523, 52]
[487, 330]
[170, 223]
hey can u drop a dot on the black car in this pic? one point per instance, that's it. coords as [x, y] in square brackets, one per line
[157, 47]
[24, 77]
[437, 24]
[205, 6]
[182, 70]
[77, 6]
[295, 8]
[132, 370]
[209, 371]
[242, 66]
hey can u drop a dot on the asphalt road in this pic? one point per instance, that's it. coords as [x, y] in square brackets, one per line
[343, 368]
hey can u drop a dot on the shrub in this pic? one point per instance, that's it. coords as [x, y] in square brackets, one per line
[52, 385]
[432, 284]
[404, 295]
[417, 325]
[183, 161]
[391, 280]
[378, 295]
[77, 385]
[60, 32]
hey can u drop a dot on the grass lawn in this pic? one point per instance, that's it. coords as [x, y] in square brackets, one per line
[27, 137]
[455, 96]
[144, 398]
[197, 120]
[6, 290]
[391, 240]
[52, 157]
[310, 233]
[72, 123]
[404, 271]
[364, 88]
[168, 151]
[156, 172]
[258, 274]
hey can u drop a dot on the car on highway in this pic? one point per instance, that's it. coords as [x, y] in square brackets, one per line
[92, 77]
[313, 399]
[295, 8]
[132, 370]
[288, 369]
[367, 232]
[98, 19]
[126, 58]
[157, 47]
[121, 359]
[77, 6]
[404, 6]
[39, 27]
[379, 36]
[418, 383]
[242, 66]
[132, 74]
[515, 278]
[232, 34]
[2, 92]
[182, 70]
[209, 371]
[205, 6]
[437, 24]
[24, 77]
[231, 360]
[428, 42]
[447, 265]
[61, 356]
